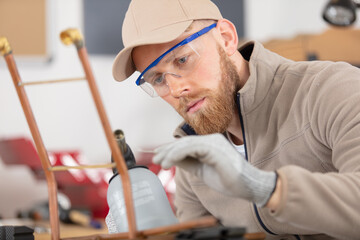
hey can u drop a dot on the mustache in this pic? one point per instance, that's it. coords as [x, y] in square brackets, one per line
[201, 93]
[185, 100]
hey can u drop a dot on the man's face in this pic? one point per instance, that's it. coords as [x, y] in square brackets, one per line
[205, 98]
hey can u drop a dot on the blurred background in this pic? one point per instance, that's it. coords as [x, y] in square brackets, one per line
[65, 112]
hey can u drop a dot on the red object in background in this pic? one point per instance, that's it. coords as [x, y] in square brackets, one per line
[86, 188]
[21, 151]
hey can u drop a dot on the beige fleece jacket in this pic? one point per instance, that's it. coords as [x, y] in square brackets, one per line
[303, 120]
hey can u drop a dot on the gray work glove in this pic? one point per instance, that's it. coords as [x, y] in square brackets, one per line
[214, 160]
[110, 223]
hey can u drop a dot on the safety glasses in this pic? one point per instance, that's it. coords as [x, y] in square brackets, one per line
[179, 61]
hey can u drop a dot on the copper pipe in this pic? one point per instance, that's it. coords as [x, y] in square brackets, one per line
[123, 235]
[52, 81]
[170, 231]
[118, 158]
[255, 236]
[208, 221]
[65, 168]
[67, 37]
[44, 158]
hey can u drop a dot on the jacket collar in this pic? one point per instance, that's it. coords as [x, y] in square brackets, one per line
[263, 65]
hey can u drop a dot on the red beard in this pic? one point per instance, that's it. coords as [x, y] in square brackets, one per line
[216, 115]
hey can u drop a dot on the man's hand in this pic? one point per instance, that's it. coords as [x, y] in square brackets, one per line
[214, 160]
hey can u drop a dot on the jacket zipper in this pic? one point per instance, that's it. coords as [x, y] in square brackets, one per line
[241, 123]
[246, 156]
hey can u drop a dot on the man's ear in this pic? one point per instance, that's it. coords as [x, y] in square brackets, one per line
[228, 35]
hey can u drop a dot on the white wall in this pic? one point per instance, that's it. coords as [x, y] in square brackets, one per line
[65, 112]
[267, 19]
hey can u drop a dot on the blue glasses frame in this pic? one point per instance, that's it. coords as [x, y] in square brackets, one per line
[183, 42]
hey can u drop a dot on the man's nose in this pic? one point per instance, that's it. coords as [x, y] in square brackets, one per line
[178, 86]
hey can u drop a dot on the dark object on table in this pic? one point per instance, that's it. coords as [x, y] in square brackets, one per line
[16, 233]
[213, 233]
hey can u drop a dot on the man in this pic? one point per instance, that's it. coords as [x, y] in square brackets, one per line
[272, 145]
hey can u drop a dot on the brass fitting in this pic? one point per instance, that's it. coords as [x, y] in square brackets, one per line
[72, 35]
[4, 46]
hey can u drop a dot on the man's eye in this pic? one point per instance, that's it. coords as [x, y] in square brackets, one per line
[182, 60]
[157, 80]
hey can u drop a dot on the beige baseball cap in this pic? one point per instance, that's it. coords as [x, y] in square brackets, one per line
[157, 21]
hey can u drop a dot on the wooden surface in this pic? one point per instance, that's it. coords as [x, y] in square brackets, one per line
[323, 46]
[42, 230]
[68, 230]
[207, 221]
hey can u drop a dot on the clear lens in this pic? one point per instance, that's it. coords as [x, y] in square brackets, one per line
[180, 62]
[149, 89]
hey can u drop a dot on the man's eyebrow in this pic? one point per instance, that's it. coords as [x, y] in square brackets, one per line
[170, 56]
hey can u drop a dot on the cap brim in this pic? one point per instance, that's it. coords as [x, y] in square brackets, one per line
[123, 66]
